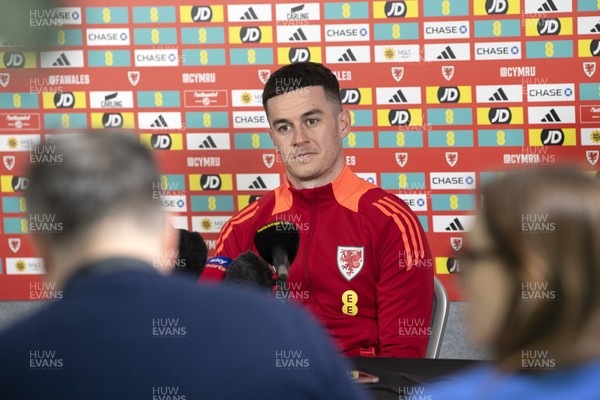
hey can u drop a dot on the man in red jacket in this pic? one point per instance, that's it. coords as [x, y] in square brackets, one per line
[363, 266]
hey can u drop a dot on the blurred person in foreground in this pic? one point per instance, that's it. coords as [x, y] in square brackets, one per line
[531, 273]
[122, 330]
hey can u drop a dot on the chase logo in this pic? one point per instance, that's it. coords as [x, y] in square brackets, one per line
[554, 92]
[211, 182]
[201, 14]
[250, 34]
[500, 115]
[356, 96]
[18, 60]
[497, 51]
[162, 141]
[14, 183]
[347, 32]
[396, 9]
[446, 30]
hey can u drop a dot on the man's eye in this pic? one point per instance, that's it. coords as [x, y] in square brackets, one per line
[312, 121]
[283, 129]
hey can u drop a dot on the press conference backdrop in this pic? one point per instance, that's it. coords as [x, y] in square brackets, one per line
[443, 94]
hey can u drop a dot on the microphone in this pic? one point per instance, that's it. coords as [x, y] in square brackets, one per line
[248, 269]
[277, 242]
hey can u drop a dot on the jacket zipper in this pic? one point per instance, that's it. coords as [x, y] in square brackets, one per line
[307, 251]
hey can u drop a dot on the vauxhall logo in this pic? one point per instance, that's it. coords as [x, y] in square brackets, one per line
[350, 96]
[448, 94]
[160, 141]
[500, 115]
[399, 117]
[395, 9]
[250, 34]
[64, 100]
[112, 120]
[299, 54]
[14, 60]
[496, 7]
[210, 182]
[549, 26]
[201, 14]
[552, 137]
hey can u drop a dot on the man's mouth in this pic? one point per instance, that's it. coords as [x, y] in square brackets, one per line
[304, 157]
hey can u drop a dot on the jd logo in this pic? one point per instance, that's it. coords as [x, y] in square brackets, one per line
[250, 35]
[299, 54]
[161, 141]
[201, 14]
[399, 117]
[395, 9]
[350, 96]
[210, 182]
[500, 115]
[64, 100]
[448, 95]
[13, 60]
[549, 26]
[496, 7]
[112, 120]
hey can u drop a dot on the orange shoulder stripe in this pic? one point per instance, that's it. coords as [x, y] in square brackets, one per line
[244, 215]
[410, 221]
[402, 229]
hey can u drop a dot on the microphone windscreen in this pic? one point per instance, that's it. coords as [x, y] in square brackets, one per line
[274, 234]
[248, 269]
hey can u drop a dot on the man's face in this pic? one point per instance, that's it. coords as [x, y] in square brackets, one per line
[307, 131]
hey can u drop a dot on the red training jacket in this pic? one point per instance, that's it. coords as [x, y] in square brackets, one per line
[363, 267]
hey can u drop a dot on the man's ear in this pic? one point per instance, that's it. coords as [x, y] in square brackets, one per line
[344, 123]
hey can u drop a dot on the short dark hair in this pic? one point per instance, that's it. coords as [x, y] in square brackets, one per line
[93, 175]
[192, 253]
[300, 75]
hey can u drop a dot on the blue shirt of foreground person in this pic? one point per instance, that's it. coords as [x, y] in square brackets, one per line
[122, 330]
[531, 273]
